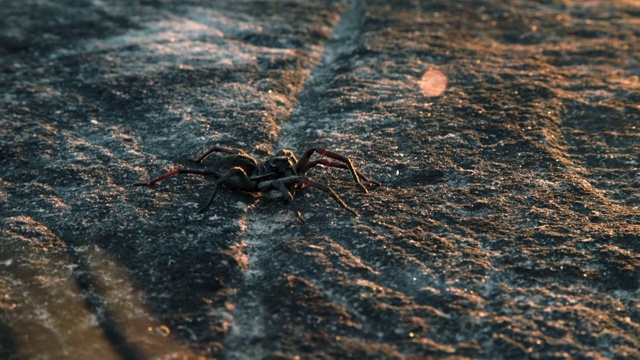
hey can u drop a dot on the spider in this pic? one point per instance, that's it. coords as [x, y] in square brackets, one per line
[282, 172]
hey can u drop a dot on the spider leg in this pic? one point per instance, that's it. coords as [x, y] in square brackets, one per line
[220, 149]
[305, 181]
[339, 165]
[303, 165]
[320, 186]
[176, 172]
[287, 195]
[236, 178]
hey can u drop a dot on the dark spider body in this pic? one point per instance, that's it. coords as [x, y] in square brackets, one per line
[283, 172]
[274, 168]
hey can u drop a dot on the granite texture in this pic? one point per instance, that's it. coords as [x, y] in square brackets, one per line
[506, 135]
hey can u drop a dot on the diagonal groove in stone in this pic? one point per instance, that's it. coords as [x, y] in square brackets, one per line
[265, 232]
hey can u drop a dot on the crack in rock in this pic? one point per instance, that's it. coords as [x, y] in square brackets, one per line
[266, 231]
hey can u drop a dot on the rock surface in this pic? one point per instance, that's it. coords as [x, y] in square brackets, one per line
[506, 136]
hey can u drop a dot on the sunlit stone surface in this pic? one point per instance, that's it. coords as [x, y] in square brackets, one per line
[505, 134]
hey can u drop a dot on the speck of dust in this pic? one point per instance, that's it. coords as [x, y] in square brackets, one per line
[433, 83]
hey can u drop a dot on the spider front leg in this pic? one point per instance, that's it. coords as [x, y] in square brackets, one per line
[175, 172]
[334, 164]
[303, 164]
[338, 165]
[236, 178]
[289, 196]
[222, 149]
[290, 181]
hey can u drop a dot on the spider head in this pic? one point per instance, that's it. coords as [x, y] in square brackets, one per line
[288, 154]
[284, 161]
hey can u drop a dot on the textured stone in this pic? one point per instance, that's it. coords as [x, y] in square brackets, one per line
[507, 224]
